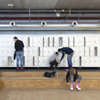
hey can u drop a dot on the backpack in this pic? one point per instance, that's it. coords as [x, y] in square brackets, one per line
[49, 74]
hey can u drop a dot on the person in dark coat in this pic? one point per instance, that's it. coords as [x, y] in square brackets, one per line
[19, 52]
[69, 52]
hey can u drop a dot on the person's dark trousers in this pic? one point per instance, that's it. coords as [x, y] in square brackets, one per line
[69, 59]
[19, 58]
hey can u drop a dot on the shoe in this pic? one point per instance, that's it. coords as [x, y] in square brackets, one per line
[22, 68]
[17, 68]
[71, 88]
[78, 87]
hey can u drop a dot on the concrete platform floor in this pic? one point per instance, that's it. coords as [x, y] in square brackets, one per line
[48, 94]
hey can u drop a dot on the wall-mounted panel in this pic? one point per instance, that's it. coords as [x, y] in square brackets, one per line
[40, 45]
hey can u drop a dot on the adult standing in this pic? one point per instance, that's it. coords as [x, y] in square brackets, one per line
[69, 52]
[19, 52]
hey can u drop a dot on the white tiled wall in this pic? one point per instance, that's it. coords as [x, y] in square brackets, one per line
[40, 46]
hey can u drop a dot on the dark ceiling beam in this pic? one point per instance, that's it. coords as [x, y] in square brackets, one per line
[51, 11]
[46, 18]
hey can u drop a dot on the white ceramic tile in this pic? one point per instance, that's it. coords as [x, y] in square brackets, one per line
[43, 62]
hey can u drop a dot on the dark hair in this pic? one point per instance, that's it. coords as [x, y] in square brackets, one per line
[56, 53]
[59, 50]
[15, 37]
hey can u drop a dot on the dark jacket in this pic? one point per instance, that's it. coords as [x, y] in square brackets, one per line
[68, 76]
[54, 62]
[19, 45]
[66, 50]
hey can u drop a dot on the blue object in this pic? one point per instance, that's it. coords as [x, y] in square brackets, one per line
[19, 57]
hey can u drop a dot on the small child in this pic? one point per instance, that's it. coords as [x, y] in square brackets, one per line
[55, 61]
[73, 75]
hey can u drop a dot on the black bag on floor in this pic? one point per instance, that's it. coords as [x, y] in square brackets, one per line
[49, 74]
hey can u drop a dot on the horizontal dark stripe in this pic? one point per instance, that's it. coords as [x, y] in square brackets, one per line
[49, 18]
[44, 69]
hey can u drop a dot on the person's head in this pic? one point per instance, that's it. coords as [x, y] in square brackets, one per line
[60, 50]
[71, 70]
[56, 53]
[15, 38]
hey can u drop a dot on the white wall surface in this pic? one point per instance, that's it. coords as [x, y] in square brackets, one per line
[42, 44]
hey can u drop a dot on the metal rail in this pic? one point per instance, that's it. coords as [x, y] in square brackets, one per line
[48, 11]
[47, 26]
[49, 14]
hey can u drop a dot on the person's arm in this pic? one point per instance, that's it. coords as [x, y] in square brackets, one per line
[22, 44]
[14, 55]
[63, 54]
[16, 45]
